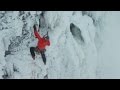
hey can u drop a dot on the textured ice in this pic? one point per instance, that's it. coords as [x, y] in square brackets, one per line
[67, 57]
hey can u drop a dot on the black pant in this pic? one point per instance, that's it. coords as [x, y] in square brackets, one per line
[34, 49]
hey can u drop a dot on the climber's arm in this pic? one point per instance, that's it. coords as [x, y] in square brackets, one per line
[36, 33]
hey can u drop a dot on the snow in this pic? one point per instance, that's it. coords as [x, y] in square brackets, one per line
[109, 52]
[68, 57]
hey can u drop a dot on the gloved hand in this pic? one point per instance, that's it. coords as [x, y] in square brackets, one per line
[35, 29]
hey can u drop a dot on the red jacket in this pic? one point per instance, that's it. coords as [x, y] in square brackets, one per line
[42, 42]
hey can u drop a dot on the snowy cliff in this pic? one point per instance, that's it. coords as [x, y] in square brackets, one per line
[73, 53]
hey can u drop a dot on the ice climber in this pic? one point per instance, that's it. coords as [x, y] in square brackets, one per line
[41, 45]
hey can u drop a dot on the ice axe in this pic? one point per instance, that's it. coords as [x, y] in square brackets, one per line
[39, 26]
[46, 34]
